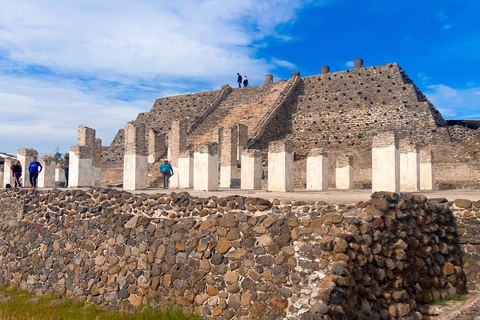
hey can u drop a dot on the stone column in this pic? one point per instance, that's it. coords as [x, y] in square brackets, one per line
[280, 166]
[205, 175]
[7, 172]
[242, 135]
[97, 169]
[325, 69]
[268, 79]
[317, 170]
[295, 74]
[46, 178]
[409, 166]
[185, 169]
[177, 143]
[1, 177]
[216, 136]
[135, 164]
[385, 162]
[60, 177]
[81, 169]
[25, 156]
[156, 145]
[251, 169]
[427, 170]
[358, 64]
[344, 172]
[81, 159]
[228, 158]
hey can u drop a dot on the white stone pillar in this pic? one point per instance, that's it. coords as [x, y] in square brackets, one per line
[7, 172]
[385, 162]
[427, 170]
[156, 145]
[60, 175]
[205, 175]
[317, 170]
[409, 166]
[242, 135]
[46, 178]
[25, 156]
[135, 164]
[344, 172]
[280, 166]
[177, 143]
[81, 163]
[228, 157]
[81, 169]
[185, 169]
[251, 169]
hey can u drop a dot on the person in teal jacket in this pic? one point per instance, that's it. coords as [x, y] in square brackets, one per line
[167, 171]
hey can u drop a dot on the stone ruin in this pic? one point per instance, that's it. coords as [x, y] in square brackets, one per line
[340, 113]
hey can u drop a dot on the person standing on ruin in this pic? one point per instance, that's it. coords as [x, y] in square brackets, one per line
[17, 173]
[167, 171]
[239, 80]
[245, 81]
[34, 169]
[66, 167]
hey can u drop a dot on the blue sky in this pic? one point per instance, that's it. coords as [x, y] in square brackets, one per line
[100, 63]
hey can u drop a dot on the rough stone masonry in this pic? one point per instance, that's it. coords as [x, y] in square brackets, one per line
[238, 256]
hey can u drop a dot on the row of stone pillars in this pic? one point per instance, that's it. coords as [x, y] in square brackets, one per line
[84, 165]
[46, 178]
[400, 165]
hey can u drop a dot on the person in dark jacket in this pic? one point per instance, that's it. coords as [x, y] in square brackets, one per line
[66, 167]
[239, 80]
[245, 81]
[17, 173]
[34, 169]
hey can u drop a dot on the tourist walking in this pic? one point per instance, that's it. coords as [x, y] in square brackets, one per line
[17, 173]
[34, 169]
[66, 167]
[239, 80]
[245, 81]
[167, 171]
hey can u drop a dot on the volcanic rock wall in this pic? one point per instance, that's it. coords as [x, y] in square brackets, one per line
[235, 256]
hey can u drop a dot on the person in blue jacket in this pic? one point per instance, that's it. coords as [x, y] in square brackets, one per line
[167, 171]
[34, 169]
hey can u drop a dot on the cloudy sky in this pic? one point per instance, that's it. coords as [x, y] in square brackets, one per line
[100, 63]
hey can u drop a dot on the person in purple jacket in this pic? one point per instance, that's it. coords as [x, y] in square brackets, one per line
[34, 169]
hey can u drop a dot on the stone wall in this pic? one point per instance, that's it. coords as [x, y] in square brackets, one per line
[239, 257]
[348, 108]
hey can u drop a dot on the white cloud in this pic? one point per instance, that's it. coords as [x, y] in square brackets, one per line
[144, 39]
[101, 63]
[350, 64]
[455, 103]
[46, 113]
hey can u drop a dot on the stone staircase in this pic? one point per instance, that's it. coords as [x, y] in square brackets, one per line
[246, 106]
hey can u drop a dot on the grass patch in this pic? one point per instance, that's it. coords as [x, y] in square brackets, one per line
[16, 304]
[453, 297]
